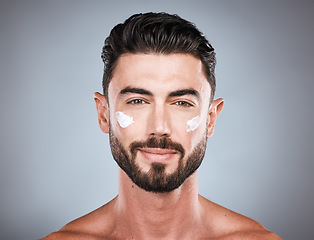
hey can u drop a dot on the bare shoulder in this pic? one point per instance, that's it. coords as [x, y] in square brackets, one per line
[250, 235]
[96, 225]
[72, 235]
[227, 224]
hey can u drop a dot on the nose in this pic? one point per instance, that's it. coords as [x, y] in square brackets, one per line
[159, 125]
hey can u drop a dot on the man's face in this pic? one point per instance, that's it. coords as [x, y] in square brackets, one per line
[158, 118]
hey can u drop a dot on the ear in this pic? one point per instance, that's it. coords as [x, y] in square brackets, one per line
[213, 113]
[102, 111]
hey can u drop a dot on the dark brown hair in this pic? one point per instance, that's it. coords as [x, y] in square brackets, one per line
[157, 33]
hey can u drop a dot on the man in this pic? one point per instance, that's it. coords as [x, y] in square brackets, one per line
[158, 109]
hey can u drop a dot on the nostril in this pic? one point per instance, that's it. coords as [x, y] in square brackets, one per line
[165, 135]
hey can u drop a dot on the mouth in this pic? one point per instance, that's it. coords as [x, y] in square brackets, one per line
[158, 154]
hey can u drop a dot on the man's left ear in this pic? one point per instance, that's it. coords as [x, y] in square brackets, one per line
[214, 112]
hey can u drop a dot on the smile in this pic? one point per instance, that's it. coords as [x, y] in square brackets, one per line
[158, 154]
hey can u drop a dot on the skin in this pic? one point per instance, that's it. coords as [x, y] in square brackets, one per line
[181, 213]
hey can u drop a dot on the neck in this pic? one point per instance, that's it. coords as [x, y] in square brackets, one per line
[145, 214]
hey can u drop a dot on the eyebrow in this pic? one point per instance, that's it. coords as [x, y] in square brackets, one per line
[183, 92]
[135, 90]
[177, 93]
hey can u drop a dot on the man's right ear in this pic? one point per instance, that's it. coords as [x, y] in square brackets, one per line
[102, 112]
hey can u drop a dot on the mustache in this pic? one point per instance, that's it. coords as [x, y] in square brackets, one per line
[153, 142]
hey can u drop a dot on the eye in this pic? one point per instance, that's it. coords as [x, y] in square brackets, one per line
[183, 104]
[136, 102]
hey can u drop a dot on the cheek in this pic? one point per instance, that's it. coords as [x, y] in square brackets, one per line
[189, 131]
[123, 119]
[193, 124]
[127, 126]
[187, 125]
[195, 130]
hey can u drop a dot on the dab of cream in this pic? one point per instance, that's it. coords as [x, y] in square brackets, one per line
[192, 124]
[124, 120]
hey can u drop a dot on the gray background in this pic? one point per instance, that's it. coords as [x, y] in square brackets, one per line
[56, 164]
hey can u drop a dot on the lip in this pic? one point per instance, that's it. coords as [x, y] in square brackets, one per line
[158, 154]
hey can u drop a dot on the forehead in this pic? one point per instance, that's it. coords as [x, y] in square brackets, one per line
[159, 73]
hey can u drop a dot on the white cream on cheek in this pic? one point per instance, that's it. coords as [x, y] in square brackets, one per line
[192, 124]
[123, 119]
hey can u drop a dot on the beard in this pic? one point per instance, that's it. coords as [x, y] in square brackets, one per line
[156, 179]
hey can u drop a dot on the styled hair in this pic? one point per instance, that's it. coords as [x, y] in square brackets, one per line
[159, 33]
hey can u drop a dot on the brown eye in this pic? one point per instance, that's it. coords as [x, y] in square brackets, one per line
[183, 104]
[136, 102]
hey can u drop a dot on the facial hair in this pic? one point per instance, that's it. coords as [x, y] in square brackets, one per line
[156, 179]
